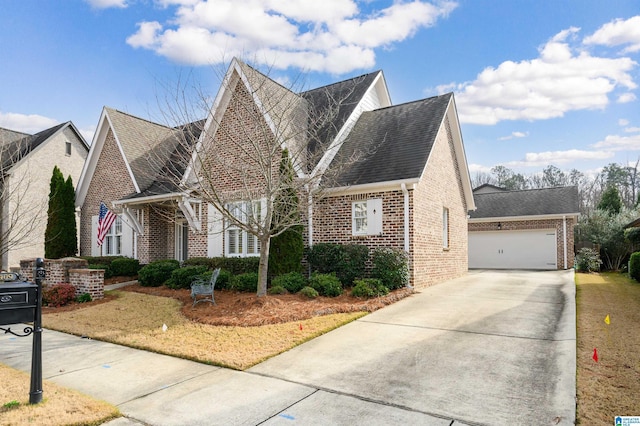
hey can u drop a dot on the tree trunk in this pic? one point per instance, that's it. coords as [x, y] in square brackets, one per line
[263, 269]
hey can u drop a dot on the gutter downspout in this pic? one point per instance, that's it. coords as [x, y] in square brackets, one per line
[406, 216]
[310, 216]
[564, 235]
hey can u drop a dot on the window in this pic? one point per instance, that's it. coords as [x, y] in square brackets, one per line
[67, 148]
[366, 217]
[445, 228]
[360, 218]
[240, 242]
[113, 239]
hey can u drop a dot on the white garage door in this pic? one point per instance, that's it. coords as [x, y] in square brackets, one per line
[513, 249]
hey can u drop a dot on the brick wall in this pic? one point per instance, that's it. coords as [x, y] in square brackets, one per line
[556, 224]
[88, 281]
[111, 181]
[68, 270]
[332, 221]
[440, 187]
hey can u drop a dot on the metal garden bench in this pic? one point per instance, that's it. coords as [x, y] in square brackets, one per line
[200, 287]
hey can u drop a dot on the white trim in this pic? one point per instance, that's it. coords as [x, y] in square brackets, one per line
[310, 216]
[132, 220]
[405, 192]
[521, 218]
[391, 185]
[151, 198]
[564, 237]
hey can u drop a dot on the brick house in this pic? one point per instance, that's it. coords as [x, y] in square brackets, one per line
[392, 175]
[27, 163]
[528, 229]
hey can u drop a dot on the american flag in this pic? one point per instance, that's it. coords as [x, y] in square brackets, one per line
[105, 219]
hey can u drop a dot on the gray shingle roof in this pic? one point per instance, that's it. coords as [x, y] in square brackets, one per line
[390, 143]
[147, 146]
[17, 149]
[530, 202]
[330, 107]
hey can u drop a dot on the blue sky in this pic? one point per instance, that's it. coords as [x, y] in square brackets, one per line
[536, 82]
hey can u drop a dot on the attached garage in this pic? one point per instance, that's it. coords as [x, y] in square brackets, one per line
[528, 229]
[535, 249]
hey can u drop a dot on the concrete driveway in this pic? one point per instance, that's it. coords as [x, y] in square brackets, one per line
[491, 348]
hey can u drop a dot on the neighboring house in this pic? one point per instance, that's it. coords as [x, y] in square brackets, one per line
[27, 167]
[527, 229]
[411, 189]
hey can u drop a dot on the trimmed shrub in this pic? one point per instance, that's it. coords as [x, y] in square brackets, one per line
[107, 270]
[369, 287]
[182, 277]
[323, 257]
[157, 273]
[391, 266]
[278, 289]
[292, 282]
[84, 298]
[347, 261]
[326, 284]
[235, 265]
[58, 295]
[353, 263]
[309, 292]
[124, 267]
[588, 260]
[247, 282]
[634, 266]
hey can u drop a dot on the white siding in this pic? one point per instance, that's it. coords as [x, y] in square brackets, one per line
[215, 230]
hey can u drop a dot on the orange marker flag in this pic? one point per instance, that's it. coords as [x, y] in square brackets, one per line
[607, 320]
[300, 326]
[595, 355]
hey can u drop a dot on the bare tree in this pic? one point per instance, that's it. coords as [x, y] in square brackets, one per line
[22, 213]
[235, 165]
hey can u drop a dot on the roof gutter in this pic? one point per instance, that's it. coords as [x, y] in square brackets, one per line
[520, 218]
[150, 199]
[371, 187]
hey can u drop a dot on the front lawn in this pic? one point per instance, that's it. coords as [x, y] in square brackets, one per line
[60, 406]
[611, 386]
[136, 320]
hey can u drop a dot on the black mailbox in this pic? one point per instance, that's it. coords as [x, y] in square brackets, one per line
[18, 299]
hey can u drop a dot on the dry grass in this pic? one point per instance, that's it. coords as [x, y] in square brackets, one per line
[611, 386]
[60, 406]
[136, 320]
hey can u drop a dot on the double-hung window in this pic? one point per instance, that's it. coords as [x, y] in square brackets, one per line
[240, 242]
[113, 239]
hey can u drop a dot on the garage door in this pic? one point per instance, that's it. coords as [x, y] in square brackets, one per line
[513, 249]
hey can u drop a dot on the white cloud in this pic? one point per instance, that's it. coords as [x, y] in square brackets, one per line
[105, 4]
[623, 122]
[618, 32]
[25, 123]
[557, 81]
[536, 159]
[478, 168]
[514, 135]
[626, 98]
[330, 35]
[87, 133]
[632, 129]
[619, 143]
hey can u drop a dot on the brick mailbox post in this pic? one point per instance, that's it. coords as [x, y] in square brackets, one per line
[21, 302]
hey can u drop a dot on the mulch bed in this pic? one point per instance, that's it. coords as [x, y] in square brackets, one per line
[246, 309]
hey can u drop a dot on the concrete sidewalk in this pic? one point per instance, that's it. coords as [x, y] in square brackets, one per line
[490, 348]
[153, 389]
